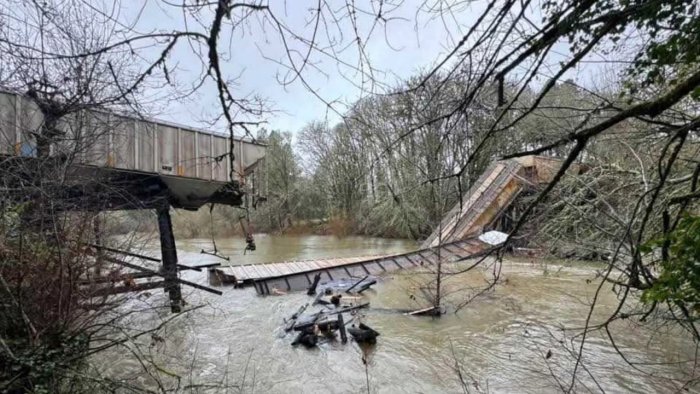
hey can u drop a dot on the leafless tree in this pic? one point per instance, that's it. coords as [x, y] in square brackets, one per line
[77, 66]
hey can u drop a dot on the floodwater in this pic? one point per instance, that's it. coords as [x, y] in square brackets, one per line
[509, 339]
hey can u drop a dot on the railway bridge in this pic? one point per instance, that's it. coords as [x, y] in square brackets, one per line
[109, 161]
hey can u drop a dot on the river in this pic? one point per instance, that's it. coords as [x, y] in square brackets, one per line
[508, 340]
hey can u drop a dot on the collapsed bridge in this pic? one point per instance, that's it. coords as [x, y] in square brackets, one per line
[459, 236]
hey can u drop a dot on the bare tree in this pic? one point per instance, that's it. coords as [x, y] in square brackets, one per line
[658, 106]
[76, 67]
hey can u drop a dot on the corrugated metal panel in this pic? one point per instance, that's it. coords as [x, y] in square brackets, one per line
[204, 156]
[7, 124]
[68, 144]
[30, 119]
[104, 139]
[96, 138]
[123, 142]
[167, 149]
[145, 133]
[220, 149]
[247, 155]
[188, 160]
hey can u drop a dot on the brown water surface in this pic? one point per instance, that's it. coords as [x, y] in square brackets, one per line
[498, 343]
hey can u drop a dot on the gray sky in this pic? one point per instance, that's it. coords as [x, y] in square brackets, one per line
[407, 45]
[415, 37]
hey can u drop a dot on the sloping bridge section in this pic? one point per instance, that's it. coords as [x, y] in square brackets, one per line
[494, 191]
[458, 237]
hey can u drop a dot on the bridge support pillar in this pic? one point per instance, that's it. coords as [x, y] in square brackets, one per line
[169, 257]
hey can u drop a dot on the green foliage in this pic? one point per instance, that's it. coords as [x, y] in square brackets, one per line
[674, 30]
[44, 367]
[679, 280]
[667, 32]
[43, 333]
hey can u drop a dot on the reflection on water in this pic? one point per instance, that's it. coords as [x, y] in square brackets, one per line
[499, 343]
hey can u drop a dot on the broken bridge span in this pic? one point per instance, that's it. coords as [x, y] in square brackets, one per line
[458, 237]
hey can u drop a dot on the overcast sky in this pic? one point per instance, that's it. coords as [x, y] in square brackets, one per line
[412, 39]
[409, 42]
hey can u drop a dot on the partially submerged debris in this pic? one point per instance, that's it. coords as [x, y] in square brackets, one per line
[349, 308]
[312, 289]
[308, 339]
[292, 319]
[429, 311]
[493, 237]
[341, 328]
[363, 334]
[356, 283]
[366, 286]
[335, 300]
[325, 325]
[322, 324]
[276, 291]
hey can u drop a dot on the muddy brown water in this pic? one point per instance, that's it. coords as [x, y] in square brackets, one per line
[497, 343]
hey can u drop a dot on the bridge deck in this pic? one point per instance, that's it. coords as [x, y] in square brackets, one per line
[298, 275]
[252, 272]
